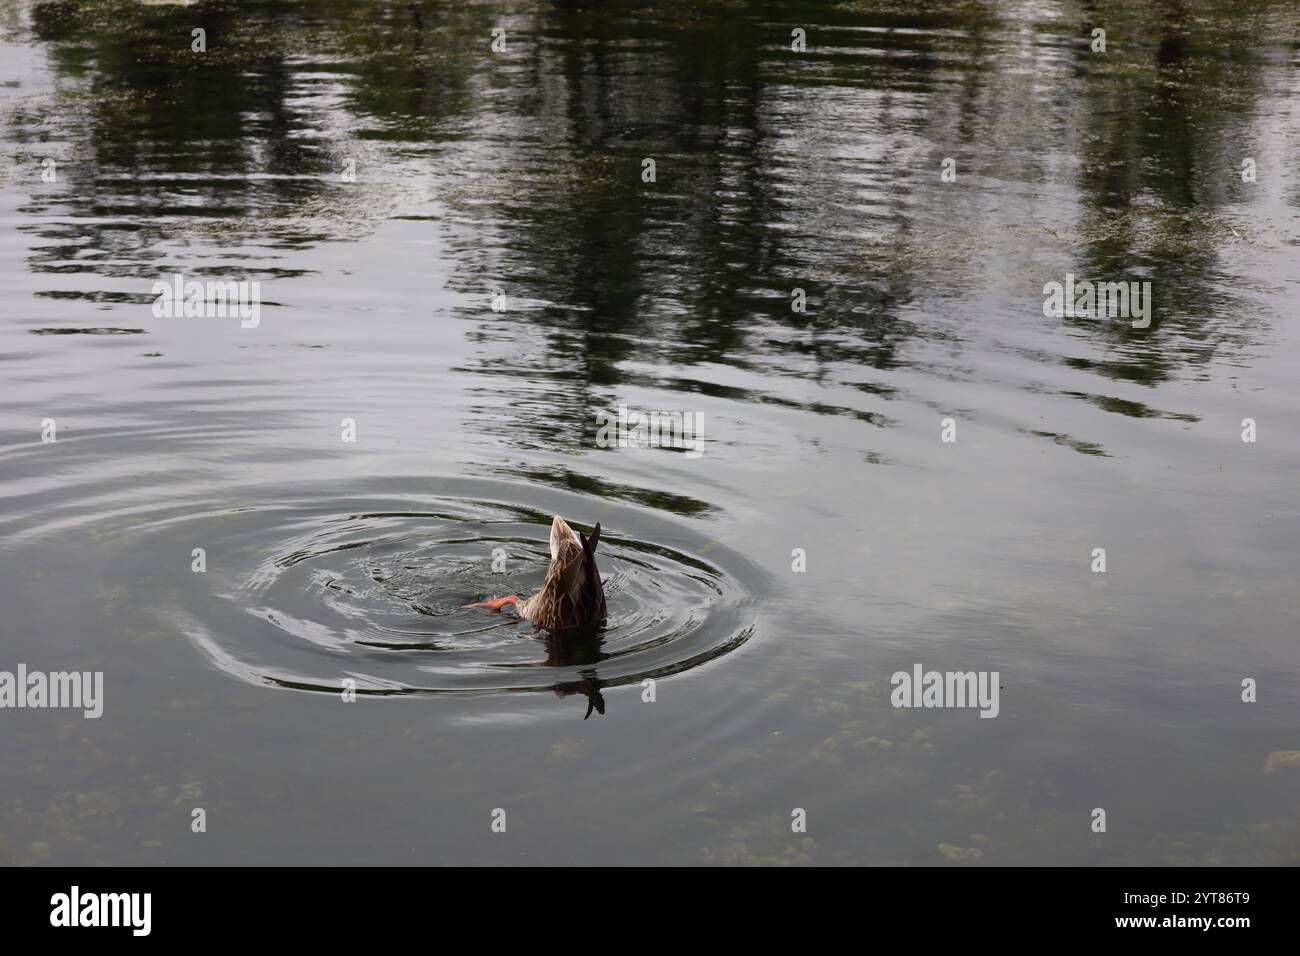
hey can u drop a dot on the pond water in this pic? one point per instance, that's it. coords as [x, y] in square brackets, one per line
[462, 259]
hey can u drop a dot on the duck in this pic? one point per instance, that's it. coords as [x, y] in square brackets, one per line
[572, 596]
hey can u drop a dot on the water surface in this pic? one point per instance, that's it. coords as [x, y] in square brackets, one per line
[520, 172]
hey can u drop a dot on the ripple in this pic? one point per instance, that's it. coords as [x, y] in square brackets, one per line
[85, 331]
[306, 594]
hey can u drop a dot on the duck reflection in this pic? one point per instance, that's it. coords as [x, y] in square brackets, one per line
[578, 648]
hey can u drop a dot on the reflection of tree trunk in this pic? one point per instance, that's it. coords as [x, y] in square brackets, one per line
[153, 108]
[1160, 166]
[775, 169]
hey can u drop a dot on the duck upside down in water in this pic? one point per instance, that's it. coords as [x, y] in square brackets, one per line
[572, 596]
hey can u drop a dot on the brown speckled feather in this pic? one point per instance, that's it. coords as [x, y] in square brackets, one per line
[572, 596]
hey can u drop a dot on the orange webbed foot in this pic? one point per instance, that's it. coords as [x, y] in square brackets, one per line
[496, 604]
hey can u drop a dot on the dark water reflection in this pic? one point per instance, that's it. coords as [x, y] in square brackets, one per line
[520, 173]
